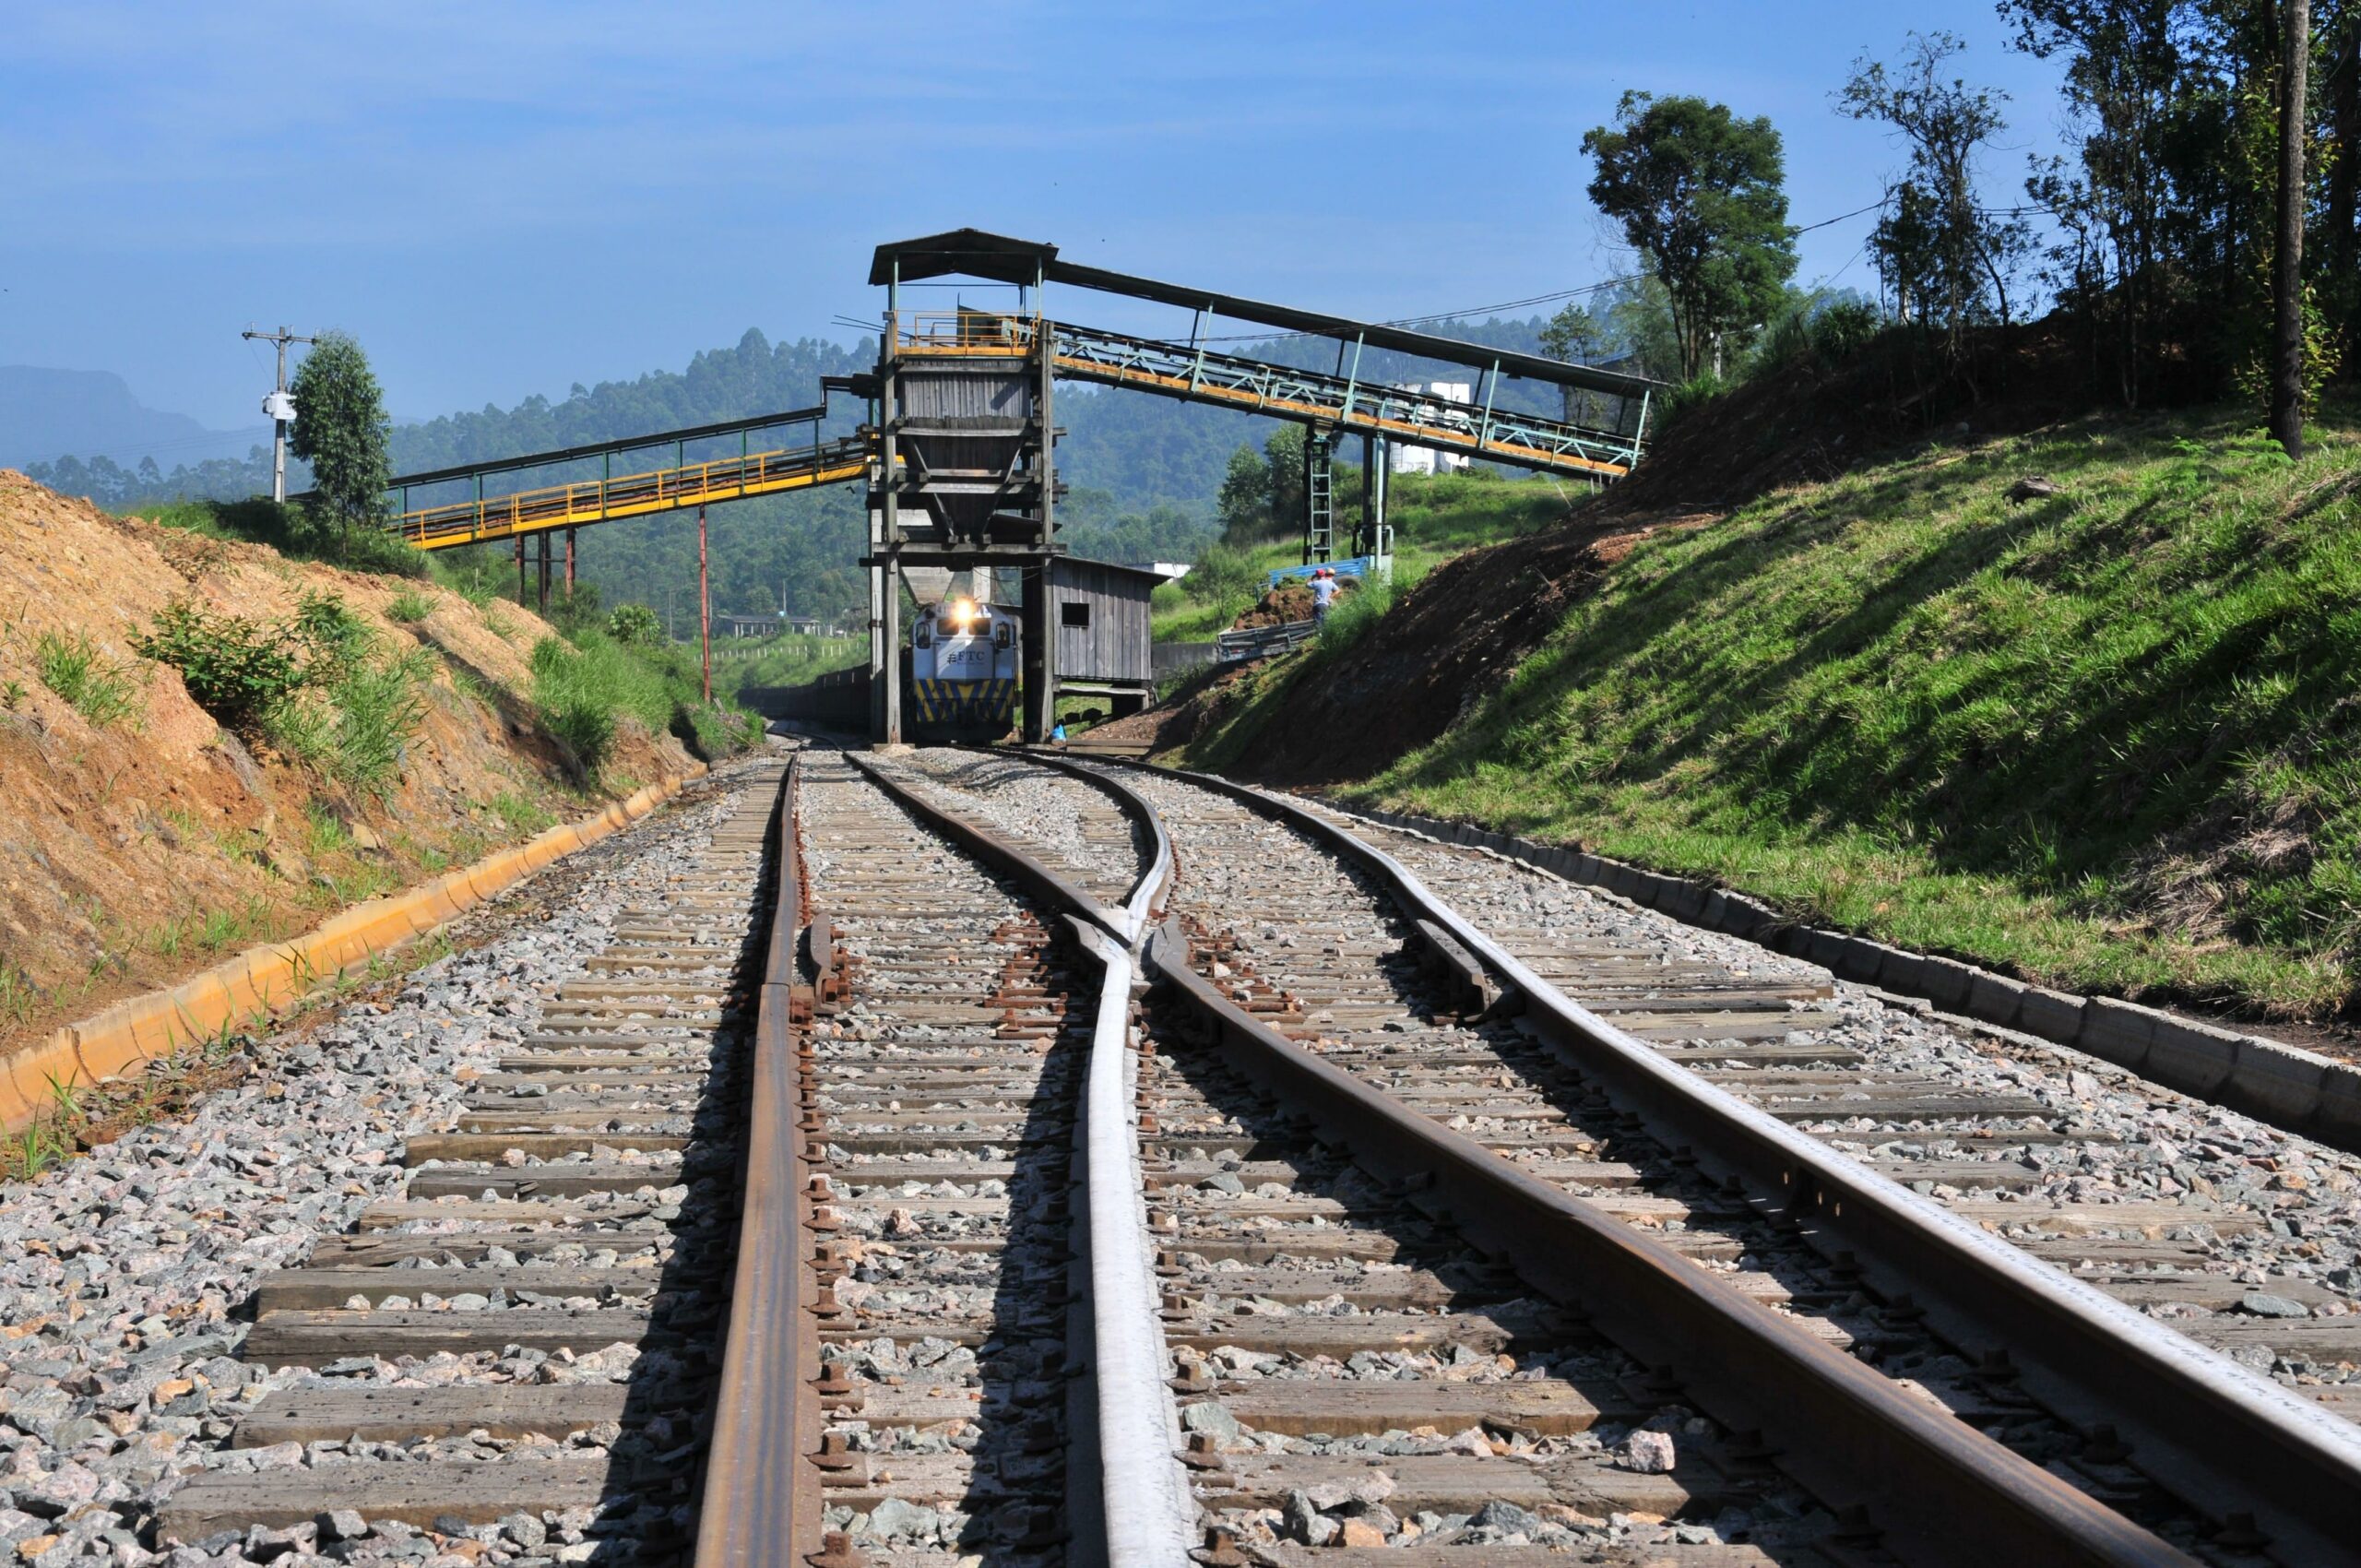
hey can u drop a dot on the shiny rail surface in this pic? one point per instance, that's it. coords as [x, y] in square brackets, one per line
[556, 1267]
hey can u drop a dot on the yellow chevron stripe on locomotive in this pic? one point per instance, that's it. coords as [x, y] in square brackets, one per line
[966, 703]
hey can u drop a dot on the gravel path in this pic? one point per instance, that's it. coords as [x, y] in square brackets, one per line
[122, 1274]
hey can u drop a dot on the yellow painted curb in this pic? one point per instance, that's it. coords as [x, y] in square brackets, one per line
[133, 1032]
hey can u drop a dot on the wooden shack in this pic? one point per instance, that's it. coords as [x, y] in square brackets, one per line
[1099, 614]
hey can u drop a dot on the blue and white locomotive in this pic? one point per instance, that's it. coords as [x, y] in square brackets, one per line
[963, 671]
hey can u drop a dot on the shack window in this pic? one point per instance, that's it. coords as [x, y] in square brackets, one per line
[1074, 612]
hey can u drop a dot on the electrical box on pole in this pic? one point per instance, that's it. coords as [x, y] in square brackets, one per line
[281, 408]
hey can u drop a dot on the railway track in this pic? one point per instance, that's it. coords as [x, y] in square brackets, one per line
[1324, 949]
[523, 1343]
[862, 1202]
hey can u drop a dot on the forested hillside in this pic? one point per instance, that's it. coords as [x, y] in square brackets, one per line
[1144, 471]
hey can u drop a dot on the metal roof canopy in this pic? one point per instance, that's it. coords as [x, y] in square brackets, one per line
[972, 253]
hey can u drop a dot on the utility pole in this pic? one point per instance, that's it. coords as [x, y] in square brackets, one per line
[705, 608]
[2288, 255]
[281, 408]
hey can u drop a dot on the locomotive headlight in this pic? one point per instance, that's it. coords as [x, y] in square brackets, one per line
[964, 611]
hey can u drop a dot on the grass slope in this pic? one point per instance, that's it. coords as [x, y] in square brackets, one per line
[2105, 738]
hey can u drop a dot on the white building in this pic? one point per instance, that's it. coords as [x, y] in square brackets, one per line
[1402, 458]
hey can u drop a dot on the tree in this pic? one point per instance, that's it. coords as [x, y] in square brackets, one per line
[342, 430]
[1284, 449]
[2287, 256]
[636, 625]
[1572, 334]
[1576, 335]
[2154, 205]
[1945, 260]
[1244, 504]
[1699, 193]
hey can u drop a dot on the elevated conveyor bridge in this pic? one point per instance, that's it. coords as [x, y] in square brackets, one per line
[1343, 404]
[607, 496]
[1332, 404]
[957, 450]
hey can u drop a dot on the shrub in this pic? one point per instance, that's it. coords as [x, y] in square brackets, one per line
[98, 688]
[636, 625]
[379, 705]
[295, 534]
[310, 684]
[331, 634]
[1701, 388]
[575, 612]
[236, 668]
[1843, 328]
[1221, 573]
[410, 607]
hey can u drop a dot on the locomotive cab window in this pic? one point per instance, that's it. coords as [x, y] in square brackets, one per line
[1074, 612]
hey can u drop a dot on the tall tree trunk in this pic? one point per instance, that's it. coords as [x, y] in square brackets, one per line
[2345, 170]
[2287, 256]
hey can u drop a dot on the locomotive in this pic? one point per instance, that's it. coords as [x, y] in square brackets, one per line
[963, 671]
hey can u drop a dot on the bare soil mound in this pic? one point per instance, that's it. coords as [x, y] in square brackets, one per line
[139, 849]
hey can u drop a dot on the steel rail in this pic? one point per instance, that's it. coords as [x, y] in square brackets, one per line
[2229, 1443]
[1936, 1487]
[761, 1501]
[1144, 1507]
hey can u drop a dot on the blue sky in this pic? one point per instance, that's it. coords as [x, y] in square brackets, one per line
[505, 198]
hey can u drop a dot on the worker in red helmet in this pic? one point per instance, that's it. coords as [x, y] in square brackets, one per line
[1324, 594]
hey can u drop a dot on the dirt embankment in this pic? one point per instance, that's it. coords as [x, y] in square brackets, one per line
[137, 850]
[1442, 648]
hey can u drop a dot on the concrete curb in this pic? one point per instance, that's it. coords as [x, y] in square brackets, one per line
[130, 1034]
[2283, 1085]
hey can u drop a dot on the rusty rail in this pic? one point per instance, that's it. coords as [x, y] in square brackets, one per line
[762, 1504]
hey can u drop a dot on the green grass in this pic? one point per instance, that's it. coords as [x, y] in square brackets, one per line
[19, 996]
[292, 532]
[2107, 739]
[96, 686]
[588, 683]
[519, 814]
[786, 659]
[583, 688]
[410, 607]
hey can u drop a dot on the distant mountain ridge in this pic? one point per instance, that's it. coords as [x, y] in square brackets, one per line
[46, 413]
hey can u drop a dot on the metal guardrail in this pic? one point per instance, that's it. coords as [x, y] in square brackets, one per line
[632, 495]
[1263, 642]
